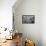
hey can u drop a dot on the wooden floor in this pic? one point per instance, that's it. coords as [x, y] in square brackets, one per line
[9, 43]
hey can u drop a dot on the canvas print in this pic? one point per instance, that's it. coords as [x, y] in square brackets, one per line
[28, 19]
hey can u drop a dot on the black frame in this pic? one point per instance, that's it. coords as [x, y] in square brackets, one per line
[28, 19]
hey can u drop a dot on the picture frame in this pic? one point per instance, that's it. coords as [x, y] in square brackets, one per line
[28, 19]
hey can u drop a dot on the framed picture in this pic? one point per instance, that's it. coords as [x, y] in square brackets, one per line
[28, 19]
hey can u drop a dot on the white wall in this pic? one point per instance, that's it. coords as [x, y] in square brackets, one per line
[43, 22]
[6, 13]
[40, 20]
[31, 31]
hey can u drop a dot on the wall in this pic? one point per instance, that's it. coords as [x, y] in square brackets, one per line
[6, 13]
[30, 31]
[43, 22]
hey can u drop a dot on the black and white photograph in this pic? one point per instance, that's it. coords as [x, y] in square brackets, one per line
[28, 19]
